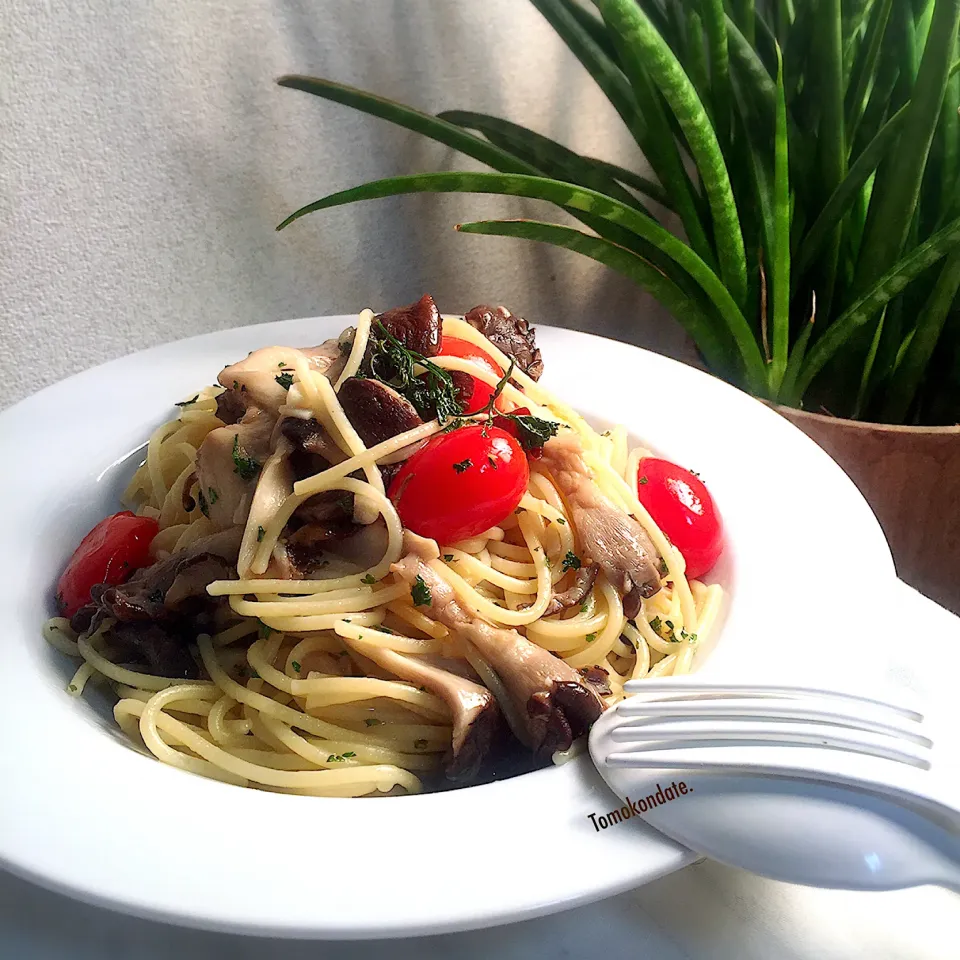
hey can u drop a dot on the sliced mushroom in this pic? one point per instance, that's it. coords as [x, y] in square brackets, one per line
[189, 587]
[228, 464]
[550, 704]
[511, 335]
[472, 707]
[263, 378]
[336, 549]
[164, 652]
[576, 593]
[598, 678]
[158, 592]
[160, 610]
[231, 405]
[314, 448]
[274, 487]
[417, 326]
[611, 538]
[331, 508]
[376, 411]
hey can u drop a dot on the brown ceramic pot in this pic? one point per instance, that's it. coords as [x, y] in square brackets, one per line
[911, 478]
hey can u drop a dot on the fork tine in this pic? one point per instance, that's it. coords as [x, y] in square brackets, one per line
[825, 711]
[692, 687]
[657, 737]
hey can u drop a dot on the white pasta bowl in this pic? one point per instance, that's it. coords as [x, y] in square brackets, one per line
[83, 812]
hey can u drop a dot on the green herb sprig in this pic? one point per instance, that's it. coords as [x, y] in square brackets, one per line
[390, 362]
[810, 152]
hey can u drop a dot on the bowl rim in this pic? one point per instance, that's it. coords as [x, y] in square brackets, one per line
[106, 858]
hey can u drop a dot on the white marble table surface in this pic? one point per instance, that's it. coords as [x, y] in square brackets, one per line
[705, 912]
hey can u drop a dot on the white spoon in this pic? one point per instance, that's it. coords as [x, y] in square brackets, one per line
[802, 785]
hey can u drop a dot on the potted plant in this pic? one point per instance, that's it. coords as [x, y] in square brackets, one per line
[810, 152]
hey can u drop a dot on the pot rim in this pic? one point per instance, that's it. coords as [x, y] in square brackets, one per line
[795, 412]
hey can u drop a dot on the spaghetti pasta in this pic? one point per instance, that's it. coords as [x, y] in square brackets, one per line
[293, 696]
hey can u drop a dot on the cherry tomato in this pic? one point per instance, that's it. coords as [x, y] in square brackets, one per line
[460, 483]
[682, 507]
[455, 347]
[480, 395]
[109, 553]
[505, 423]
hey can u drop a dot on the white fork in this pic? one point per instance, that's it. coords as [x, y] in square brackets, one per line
[794, 735]
[714, 726]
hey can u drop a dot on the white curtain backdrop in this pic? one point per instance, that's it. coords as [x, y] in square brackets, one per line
[146, 155]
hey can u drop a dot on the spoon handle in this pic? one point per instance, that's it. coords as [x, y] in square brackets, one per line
[905, 786]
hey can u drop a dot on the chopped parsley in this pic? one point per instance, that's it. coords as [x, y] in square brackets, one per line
[532, 432]
[296, 666]
[571, 562]
[420, 744]
[212, 496]
[591, 637]
[282, 364]
[420, 593]
[561, 521]
[689, 637]
[448, 557]
[72, 687]
[349, 753]
[642, 481]
[261, 533]
[202, 500]
[664, 569]
[334, 758]
[664, 629]
[285, 380]
[369, 578]
[372, 722]
[463, 465]
[245, 466]
[264, 631]
[188, 403]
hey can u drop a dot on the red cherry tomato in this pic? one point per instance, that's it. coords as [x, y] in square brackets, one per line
[455, 347]
[505, 423]
[480, 397]
[460, 483]
[682, 507]
[109, 553]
